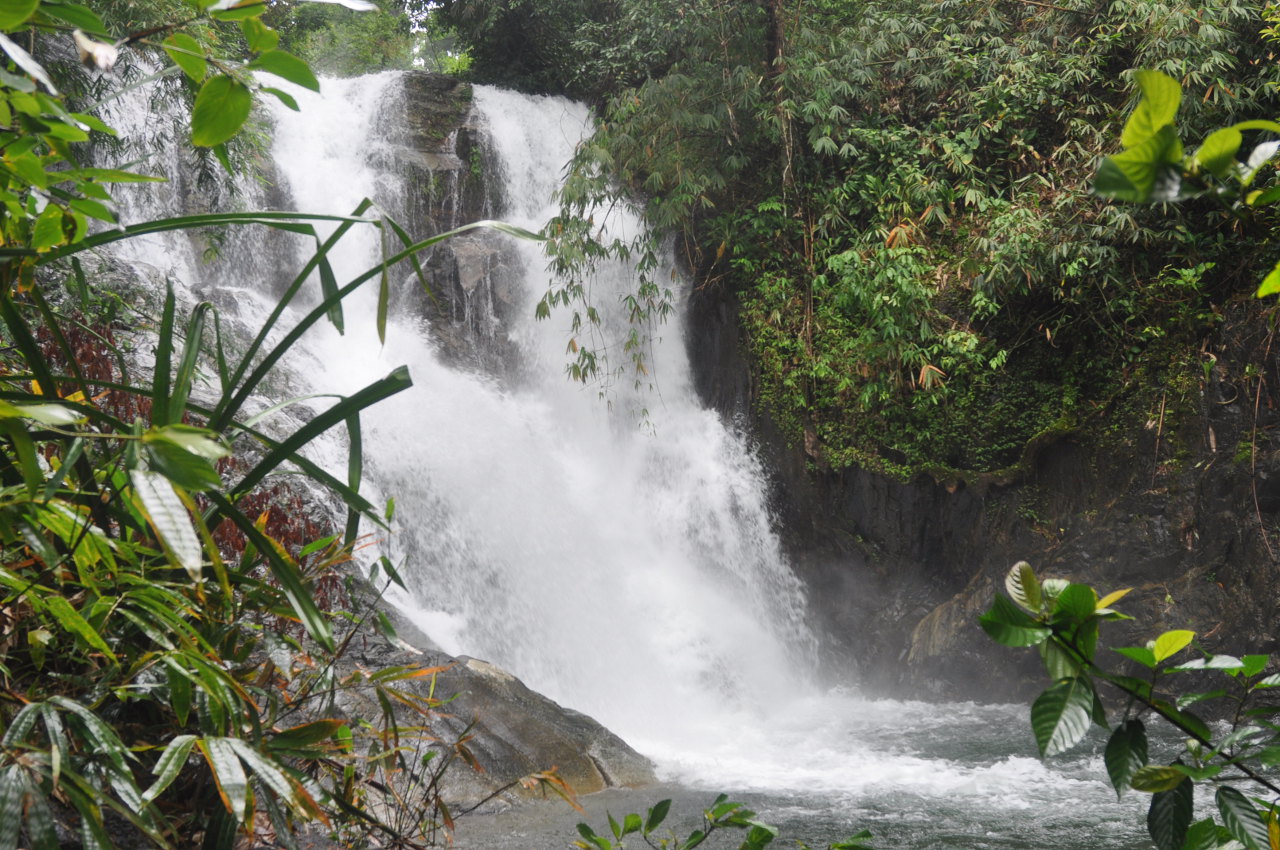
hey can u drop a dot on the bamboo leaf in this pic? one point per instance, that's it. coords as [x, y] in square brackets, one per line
[71, 620]
[169, 765]
[169, 518]
[286, 573]
[228, 773]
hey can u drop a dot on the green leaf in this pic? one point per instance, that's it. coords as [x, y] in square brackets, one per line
[1270, 284]
[1170, 815]
[1061, 715]
[1058, 662]
[188, 55]
[1140, 654]
[1171, 643]
[78, 16]
[285, 572]
[115, 175]
[1023, 587]
[25, 61]
[169, 765]
[288, 67]
[71, 620]
[1156, 778]
[1076, 602]
[1218, 152]
[1126, 754]
[258, 35]
[631, 823]
[14, 12]
[284, 97]
[1161, 96]
[1132, 175]
[1255, 664]
[169, 517]
[12, 786]
[220, 110]
[1011, 626]
[47, 231]
[240, 11]
[184, 468]
[1203, 835]
[656, 815]
[1241, 819]
[305, 735]
[228, 773]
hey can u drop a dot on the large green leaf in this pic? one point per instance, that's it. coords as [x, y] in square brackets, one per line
[1241, 818]
[1133, 174]
[12, 787]
[1023, 586]
[1171, 643]
[1161, 96]
[169, 765]
[1157, 778]
[286, 66]
[1271, 283]
[71, 620]
[14, 12]
[1010, 625]
[220, 110]
[1217, 153]
[184, 468]
[1126, 753]
[188, 55]
[1061, 715]
[1170, 815]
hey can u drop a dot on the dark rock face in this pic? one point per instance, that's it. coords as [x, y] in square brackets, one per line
[436, 150]
[900, 571]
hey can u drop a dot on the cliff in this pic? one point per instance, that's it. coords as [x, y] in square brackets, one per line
[1173, 489]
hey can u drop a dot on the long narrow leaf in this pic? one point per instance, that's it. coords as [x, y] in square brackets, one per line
[397, 381]
[230, 406]
[355, 472]
[169, 765]
[285, 573]
[164, 355]
[233, 786]
[293, 222]
[187, 365]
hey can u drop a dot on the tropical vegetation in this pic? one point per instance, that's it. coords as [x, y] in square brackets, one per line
[173, 612]
[897, 196]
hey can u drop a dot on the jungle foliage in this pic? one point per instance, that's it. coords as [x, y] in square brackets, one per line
[1163, 681]
[172, 615]
[898, 195]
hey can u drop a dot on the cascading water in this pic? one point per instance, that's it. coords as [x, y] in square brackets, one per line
[633, 573]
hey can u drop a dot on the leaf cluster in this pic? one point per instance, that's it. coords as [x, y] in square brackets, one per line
[722, 814]
[1062, 620]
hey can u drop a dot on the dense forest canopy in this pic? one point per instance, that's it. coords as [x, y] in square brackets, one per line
[898, 195]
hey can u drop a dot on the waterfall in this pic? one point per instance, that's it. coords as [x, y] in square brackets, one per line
[632, 573]
[623, 571]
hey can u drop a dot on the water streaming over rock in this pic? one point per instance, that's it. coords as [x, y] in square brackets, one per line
[629, 572]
